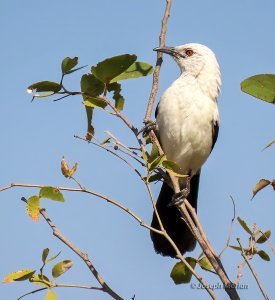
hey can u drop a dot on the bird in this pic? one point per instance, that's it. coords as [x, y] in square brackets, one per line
[187, 123]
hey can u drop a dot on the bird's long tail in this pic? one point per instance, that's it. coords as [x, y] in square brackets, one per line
[172, 221]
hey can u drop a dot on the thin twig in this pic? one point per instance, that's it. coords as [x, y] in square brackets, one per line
[209, 251]
[84, 190]
[240, 272]
[119, 143]
[63, 285]
[112, 152]
[178, 254]
[154, 89]
[253, 271]
[56, 232]
[230, 228]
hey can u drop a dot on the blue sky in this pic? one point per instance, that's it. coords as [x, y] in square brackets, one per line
[35, 37]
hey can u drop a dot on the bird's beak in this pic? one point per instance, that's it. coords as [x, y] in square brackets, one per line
[167, 50]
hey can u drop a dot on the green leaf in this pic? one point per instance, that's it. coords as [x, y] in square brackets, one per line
[53, 257]
[155, 177]
[68, 64]
[264, 237]
[44, 86]
[91, 86]
[110, 68]
[40, 279]
[180, 273]
[154, 153]
[244, 225]
[19, 275]
[90, 129]
[263, 255]
[33, 208]
[51, 295]
[156, 163]
[205, 264]
[119, 99]
[94, 102]
[45, 254]
[51, 193]
[136, 70]
[261, 86]
[61, 267]
[259, 186]
[235, 248]
[172, 168]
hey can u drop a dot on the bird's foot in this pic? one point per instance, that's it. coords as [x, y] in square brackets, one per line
[149, 125]
[179, 197]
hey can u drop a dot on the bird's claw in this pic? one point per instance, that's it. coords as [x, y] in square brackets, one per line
[179, 197]
[150, 125]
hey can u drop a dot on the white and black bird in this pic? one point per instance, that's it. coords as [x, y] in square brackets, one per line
[187, 121]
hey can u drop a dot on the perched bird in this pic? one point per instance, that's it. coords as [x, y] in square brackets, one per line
[187, 120]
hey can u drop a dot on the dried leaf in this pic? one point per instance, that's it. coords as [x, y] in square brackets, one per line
[259, 186]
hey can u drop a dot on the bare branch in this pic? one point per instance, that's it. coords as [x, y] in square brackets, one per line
[230, 228]
[84, 190]
[253, 271]
[112, 152]
[63, 285]
[154, 89]
[106, 288]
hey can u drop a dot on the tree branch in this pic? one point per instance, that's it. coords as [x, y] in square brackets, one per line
[154, 89]
[106, 288]
[253, 271]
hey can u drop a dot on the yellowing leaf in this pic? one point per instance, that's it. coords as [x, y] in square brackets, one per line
[51, 193]
[40, 280]
[33, 208]
[51, 295]
[61, 268]
[172, 168]
[19, 275]
[259, 186]
[205, 264]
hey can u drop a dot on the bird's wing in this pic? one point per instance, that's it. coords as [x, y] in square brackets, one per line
[215, 132]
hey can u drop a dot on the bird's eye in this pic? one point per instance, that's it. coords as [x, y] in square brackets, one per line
[189, 52]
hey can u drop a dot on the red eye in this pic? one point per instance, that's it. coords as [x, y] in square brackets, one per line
[189, 52]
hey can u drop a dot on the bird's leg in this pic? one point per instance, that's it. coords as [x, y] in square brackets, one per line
[149, 125]
[179, 197]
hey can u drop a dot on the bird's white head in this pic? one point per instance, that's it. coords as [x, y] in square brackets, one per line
[198, 61]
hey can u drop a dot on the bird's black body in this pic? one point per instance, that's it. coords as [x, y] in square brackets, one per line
[172, 221]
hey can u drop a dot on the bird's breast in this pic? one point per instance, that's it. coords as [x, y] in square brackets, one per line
[185, 119]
